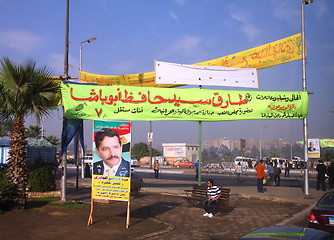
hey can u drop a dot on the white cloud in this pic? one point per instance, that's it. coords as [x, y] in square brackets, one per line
[247, 27]
[320, 9]
[124, 67]
[56, 64]
[287, 11]
[22, 41]
[188, 46]
[173, 15]
[180, 2]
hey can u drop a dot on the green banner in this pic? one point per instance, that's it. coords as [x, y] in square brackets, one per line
[327, 143]
[152, 104]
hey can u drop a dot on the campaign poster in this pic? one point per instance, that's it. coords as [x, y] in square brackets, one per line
[111, 160]
[313, 148]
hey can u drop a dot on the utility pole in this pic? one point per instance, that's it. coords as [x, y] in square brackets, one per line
[200, 153]
[305, 122]
[150, 145]
[64, 155]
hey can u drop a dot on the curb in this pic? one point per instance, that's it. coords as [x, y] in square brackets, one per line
[154, 234]
[296, 216]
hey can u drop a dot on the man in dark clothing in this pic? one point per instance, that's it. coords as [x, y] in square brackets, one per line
[330, 172]
[287, 169]
[321, 169]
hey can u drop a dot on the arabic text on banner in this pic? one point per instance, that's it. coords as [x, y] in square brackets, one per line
[152, 104]
[327, 143]
[281, 51]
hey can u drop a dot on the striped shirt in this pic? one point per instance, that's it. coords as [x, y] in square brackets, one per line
[213, 192]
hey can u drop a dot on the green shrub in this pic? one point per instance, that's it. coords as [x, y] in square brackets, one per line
[41, 180]
[8, 192]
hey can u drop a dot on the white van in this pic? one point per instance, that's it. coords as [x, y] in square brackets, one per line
[134, 161]
[245, 162]
[88, 159]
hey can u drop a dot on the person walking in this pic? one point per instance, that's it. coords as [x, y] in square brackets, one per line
[156, 168]
[213, 194]
[287, 169]
[277, 174]
[239, 171]
[321, 169]
[271, 173]
[260, 176]
[330, 172]
[196, 169]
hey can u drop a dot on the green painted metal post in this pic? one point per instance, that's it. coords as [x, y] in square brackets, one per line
[200, 155]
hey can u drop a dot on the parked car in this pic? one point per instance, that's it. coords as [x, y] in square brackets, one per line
[287, 232]
[183, 163]
[322, 215]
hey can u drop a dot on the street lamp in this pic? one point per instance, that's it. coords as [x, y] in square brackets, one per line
[82, 163]
[305, 128]
[89, 41]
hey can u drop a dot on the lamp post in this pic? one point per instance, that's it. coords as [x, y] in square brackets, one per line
[82, 163]
[89, 41]
[305, 127]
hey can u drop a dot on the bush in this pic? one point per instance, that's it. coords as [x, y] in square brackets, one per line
[41, 178]
[8, 192]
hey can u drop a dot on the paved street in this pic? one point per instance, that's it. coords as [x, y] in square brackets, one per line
[160, 203]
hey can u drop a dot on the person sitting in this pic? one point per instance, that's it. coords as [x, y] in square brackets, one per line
[213, 196]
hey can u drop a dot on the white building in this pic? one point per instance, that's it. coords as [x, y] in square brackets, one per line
[177, 151]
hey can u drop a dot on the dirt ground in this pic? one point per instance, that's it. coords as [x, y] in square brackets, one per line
[153, 216]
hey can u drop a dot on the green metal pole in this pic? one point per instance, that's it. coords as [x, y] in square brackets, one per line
[200, 155]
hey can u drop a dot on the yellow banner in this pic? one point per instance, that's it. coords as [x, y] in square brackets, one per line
[112, 188]
[271, 54]
[282, 51]
[138, 79]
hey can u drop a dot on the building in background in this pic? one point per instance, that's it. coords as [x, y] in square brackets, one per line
[180, 151]
[4, 148]
[36, 148]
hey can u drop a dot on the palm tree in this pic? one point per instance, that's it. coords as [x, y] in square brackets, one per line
[24, 89]
[34, 131]
[53, 140]
[6, 127]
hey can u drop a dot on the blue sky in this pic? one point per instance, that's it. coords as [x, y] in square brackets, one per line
[131, 34]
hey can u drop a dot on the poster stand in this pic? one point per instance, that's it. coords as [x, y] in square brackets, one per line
[92, 201]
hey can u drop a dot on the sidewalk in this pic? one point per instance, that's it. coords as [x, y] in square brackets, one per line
[159, 211]
[177, 187]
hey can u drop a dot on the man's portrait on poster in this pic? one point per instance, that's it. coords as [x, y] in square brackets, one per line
[108, 146]
[311, 148]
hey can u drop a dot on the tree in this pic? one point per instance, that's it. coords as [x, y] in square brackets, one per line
[255, 151]
[53, 140]
[24, 89]
[141, 149]
[274, 154]
[236, 152]
[34, 131]
[6, 127]
[228, 157]
[213, 151]
[286, 151]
